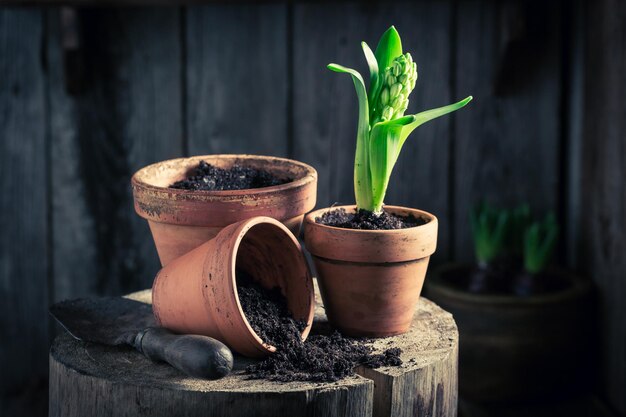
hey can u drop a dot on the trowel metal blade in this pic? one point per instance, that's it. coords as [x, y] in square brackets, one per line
[106, 320]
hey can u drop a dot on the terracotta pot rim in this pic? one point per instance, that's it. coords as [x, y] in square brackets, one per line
[244, 227]
[310, 175]
[310, 219]
[371, 246]
[578, 288]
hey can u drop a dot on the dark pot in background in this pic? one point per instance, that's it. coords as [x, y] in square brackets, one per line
[519, 349]
[181, 220]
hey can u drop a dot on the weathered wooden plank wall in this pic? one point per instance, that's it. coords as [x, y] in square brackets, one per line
[24, 204]
[127, 114]
[603, 188]
[164, 82]
[506, 149]
[237, 79]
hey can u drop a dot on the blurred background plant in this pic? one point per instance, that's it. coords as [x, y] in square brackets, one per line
[512, 249]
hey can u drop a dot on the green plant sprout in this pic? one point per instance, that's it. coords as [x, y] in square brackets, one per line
[490, 228]
[539, 242]
[382, 126]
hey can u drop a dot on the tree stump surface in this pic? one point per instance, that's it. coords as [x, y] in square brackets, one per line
[97, 380]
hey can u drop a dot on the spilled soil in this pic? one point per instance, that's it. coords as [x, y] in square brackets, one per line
[321, 358]
[207, 177]
[367, 220]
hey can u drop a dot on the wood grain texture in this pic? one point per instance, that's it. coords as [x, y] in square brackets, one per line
[603, 191]
[127, 115]
[506, 145]
[325, 103]
[88, 379]
[237, 79]
[24, 202]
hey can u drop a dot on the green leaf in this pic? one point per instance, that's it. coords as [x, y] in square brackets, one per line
[539, 243]
[383, 154]
[374, 74]
[384, 148]
[389, 47]
[371, 63]
[429, 115]
[362, 180]
[489, 228]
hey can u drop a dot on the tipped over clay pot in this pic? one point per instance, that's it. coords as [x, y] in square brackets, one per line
[180, 220]
[370, 280]
[197, 293]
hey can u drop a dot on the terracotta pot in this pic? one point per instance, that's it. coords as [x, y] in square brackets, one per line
[519, 349]
[370, 280]
[197, 293]
[180, 220]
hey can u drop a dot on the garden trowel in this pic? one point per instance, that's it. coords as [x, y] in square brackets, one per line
[118, 321]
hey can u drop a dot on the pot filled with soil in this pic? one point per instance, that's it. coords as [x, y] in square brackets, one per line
[206, 290]
[526, 328]
[370, 268]
[371, 258]
[187, 201]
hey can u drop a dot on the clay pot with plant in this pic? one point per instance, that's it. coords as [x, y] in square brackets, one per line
[526, 326]
[187, 201]
[371, 259]
[198, 293]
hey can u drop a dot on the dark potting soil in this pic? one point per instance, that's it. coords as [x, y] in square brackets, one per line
[320, 358]
[210, 178]
[367, 220]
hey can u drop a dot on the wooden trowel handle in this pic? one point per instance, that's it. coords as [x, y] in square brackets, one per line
[197, 356]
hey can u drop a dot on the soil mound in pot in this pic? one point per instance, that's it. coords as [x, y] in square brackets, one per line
[321, 358]
[367, 220]
[207, 177]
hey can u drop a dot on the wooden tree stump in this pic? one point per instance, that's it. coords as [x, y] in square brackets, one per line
[94, 380]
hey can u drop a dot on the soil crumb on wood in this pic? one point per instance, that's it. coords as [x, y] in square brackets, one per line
[367, 220]
[207, 177]
[321, 358]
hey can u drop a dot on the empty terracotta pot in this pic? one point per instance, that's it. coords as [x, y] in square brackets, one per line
[180, 220]
[197, 293]
[370, 280]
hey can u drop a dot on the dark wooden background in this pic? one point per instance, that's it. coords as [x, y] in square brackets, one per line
[78, 115]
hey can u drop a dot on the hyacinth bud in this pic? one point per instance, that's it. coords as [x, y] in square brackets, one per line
[397, 102]
[390, 79]
[397, 69]
[395, 90]
[387, 113]
[384, 96]
[398, 82]
[413, 77]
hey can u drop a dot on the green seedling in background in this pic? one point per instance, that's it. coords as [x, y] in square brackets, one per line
[539, 243]
[382, 126]
[490, 229]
